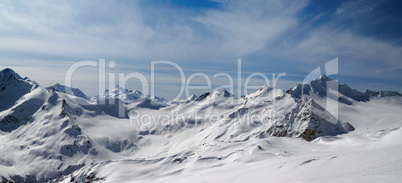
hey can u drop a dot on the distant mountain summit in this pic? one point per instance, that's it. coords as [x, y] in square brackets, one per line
[69, 90]
[382, 93]
[265, 92]
[327, 87]
[130, 96]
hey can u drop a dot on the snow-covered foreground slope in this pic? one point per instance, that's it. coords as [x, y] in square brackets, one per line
[268, 136]
[371, 153]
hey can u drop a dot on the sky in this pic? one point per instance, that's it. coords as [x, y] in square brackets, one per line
[43, 39]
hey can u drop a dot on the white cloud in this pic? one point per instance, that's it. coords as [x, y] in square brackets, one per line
[325, 42]
[112, 29]
[246, 26]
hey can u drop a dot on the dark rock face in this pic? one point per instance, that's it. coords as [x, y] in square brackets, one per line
[308, 120]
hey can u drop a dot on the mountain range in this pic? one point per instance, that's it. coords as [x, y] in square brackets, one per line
[58, 134]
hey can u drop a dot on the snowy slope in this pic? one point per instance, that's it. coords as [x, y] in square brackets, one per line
[269, 135]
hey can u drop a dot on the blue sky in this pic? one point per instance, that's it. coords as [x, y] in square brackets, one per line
[42, 39]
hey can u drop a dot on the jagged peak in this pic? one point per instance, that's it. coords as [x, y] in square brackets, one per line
[203, 96]
[192, 97]
[58, 84]
[222, 92]
[8, 72]
[322, 87]
[65, 89]
[155, 98]
[119, 89]
[264, 87]
[266, 92]
[129, 96]
[8, 76]
[324, 78]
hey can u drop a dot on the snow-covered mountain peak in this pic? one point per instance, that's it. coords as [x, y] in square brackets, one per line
[122, 94]
[9, 77]
[13, 87]
[120, 90]
[217, 95]
[131, 96]
[8, 73]
[322, 81]
[191, 97]
[264, 88]
[325, 87]
[317, 84]
[69, 90]
[58, 85]
[265, 93]
[222, 93]
[203, 96]
[324, 78]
